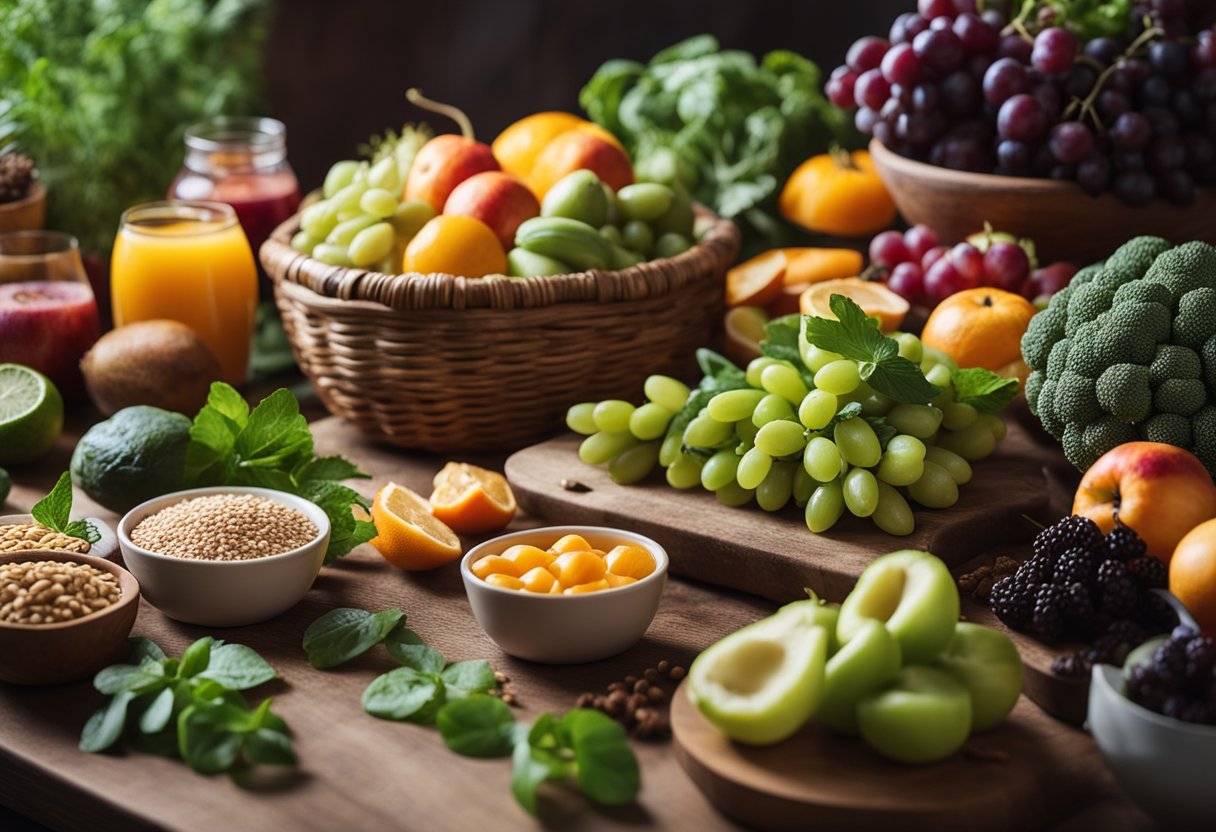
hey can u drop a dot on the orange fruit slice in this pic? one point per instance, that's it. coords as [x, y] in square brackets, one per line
[1193, 574]
[471, 499]
[744, 327]
[875, 299]
[981, 328]
[756, 282]
[811, 265]
[407, 535]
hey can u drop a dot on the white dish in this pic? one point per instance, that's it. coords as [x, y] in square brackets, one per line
[224, 593]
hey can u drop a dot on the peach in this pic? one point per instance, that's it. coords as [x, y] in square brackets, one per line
[497, 199]
[442, 164]
[1161, 491]
[584, 148]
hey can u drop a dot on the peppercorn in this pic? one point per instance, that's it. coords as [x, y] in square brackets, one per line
[677, 673]
[642, 686]
[663, 666]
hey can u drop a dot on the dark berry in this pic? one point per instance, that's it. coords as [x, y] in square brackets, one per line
[1078, 608]
[1200, 659]
[1048, 616]
[1118, 593]
[1169, 660]
[1012, 602]
[1071, 666]
[1145, 687]
[1125, 633]
[1038, 570]
[1076, 565]
[1124, 544]
[1070, 532]
[1148, 572]
[1155, 614]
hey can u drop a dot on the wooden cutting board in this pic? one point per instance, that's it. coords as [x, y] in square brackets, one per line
[1023, 774]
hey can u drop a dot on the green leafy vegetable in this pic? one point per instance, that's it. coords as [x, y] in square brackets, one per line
[272, 447]
[190, 707]
[718, 122]
[983, 389]
[478, 726]
[55, 509]
[342, 634]
[856, 336]
[99, 93]
[401, 693]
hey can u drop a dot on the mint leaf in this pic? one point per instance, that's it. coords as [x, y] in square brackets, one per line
[983, 389]
[158, 713]
[342, 634]
[850, 411]
[899, 378]
[210, 457]
[720, 375]
[420, 657]
[337, 501]
[329, 468]
[276, 435]
[237, 667]
[401, 693]
[476, 676]
[227, 402]
[781, 342]
[527, 773]
[84, 530]
[145, 649]
[129, 677]
[607, 768]
[202, 740]
[479, 726]
[882, 430]
[195, 659]
[105, 727]
[268, 748]
[55, 509]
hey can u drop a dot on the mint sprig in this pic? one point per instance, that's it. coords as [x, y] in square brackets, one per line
[983, 389]
[55, 510]
[856, 336]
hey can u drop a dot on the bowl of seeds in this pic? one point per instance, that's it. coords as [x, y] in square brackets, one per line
[225, 556]
[63, 615]
[21, 532]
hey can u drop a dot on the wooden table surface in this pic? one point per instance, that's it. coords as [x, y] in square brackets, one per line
[357, 772]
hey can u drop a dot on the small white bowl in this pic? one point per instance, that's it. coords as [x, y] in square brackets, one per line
[224, 593]
[1163, 764]
[565, 629]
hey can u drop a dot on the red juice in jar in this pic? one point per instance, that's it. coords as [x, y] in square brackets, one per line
[49, 325]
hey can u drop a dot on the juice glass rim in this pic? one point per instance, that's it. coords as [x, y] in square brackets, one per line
[60, 242]
[217, 215]
[224, 132]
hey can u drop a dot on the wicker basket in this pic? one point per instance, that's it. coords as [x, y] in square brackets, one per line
[453, 364]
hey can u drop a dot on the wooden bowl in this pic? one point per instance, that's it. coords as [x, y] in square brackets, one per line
[51, 654]
[1065, 222]
[28, 214]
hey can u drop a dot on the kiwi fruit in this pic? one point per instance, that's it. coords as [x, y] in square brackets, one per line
[160, 363]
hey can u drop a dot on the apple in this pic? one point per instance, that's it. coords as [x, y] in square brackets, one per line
[989, 665]
[497, 199]
[913, 594]
[760, 684]
[590, 148]
[1160, 491]
[924, 717]
[868, 663]
[442, 164]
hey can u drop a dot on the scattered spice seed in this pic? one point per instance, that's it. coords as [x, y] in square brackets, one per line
[575, 485]
[224, 527]
[50, 592]
[638, 702]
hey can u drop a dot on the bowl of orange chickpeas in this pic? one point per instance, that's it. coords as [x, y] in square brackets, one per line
[565, 594]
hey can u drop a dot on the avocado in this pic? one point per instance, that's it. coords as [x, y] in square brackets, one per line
[135, 455]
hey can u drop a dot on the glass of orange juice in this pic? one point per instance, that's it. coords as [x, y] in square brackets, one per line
[189, 262]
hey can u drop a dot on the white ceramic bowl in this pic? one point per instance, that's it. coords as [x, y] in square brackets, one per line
[565, 629]
[224, 593]
[1163, 764]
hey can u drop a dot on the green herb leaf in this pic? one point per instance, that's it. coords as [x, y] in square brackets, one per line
[329, 468]
[478, 726]
[204, 747]
[129, 677]
[268, 748]
[781, 341]
[720, 375]
[105, 727]
[607, 767]
[476, 676]
[882, 430]
[237, 667]
[420, 657]
[527, 773]
[158, 713]
[277, 434]
[983, 389]
[341, 634]
[195, 659]
[850, 411]
[401, 693]
[55, 509]
[900, 379]
[336, 500]
[145, 649]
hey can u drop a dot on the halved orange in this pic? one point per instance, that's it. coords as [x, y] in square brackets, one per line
[875, 299]
[408, 536]
[471, 499]
[808, 264]
[744, 327]
[756, 282]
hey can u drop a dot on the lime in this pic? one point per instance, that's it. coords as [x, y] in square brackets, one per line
[31, 414]
[135, 455]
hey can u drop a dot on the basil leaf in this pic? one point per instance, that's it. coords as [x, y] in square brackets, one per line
[204, 748]
[268, 748]
[476, 676]
[420, 657]
[54, 509]
[276, 431]
[105, 727]
[329, 468]
[237, 667]
[479, 726]
[195, 659]
[527, 773]
[401, 693]
[607, 767]
[143, 649]
[134, 678]
[158, 713]
[226, 716]
[342, 634]
[899, 378]
[338, 502]
[983, 389]
[225, 401]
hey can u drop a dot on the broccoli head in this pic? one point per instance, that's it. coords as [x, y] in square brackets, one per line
[1173, 361]
[1195, 322]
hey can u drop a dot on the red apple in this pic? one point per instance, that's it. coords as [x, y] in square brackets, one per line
[48, 326]
[442, 164]
[497, 199]
[1161, 491]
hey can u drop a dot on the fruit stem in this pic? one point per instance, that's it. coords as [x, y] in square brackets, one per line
[1033, 522]
[1087, 104]
[457, 115]
[842, 157]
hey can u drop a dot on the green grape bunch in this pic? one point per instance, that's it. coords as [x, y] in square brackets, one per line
[834, 417]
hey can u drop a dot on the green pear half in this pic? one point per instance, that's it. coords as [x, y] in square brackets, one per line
[867, 664]
[924, 717]
[913, 593]
[987, 662]
[760, 684]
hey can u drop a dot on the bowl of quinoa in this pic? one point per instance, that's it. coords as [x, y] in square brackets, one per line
[226, 556]
[63, 615]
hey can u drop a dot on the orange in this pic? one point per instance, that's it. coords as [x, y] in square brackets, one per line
[835, 193]
[455, 244]
[589, 147]
[981, 328]
[471, 500]
[517, 147]
[407, 535]
[811, 265]
[758, 281]
[875, 299]
[744, 327]
[1193, 574]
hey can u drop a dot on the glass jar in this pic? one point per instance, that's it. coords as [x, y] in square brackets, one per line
[48, 314]
[242, 162]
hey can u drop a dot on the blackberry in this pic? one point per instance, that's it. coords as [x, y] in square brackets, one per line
[1145, 687]
[1118, 592]
[1123, 544]
[1070, 532]
[1075, 566]
[1200, 659]
[1155, 614]
[1012, 602]
[1071, 666]
[1039, 569]
[1187, 709]
[1048, 616]
[1126, 632]
[1078, 607]
[1148, 572]
[1169, 660]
